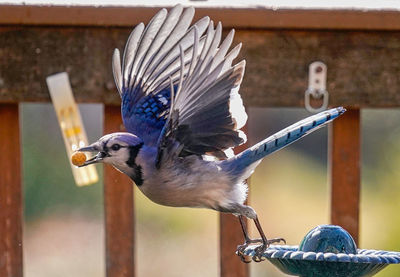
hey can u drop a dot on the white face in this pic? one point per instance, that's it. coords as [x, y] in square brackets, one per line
[118, 149]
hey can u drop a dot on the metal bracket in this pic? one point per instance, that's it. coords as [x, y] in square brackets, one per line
[316, 86]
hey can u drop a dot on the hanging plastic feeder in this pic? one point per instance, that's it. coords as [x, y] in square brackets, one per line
[327, 251]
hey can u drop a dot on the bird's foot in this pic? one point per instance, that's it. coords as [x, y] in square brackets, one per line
[241, 248]
[259, 251]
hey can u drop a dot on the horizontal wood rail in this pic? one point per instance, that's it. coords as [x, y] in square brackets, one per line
[361, 71]
[260, 17]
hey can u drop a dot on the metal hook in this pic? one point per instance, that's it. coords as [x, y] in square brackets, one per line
[316, 86]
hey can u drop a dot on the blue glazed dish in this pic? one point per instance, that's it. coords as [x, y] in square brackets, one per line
[327, 251]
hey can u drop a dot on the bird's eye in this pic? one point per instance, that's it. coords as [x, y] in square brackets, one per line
[115, 147]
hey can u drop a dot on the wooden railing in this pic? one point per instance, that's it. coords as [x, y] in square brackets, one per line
[359, 48]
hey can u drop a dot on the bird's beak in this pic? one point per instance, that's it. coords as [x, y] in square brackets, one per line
[93, 148]
[90, 148]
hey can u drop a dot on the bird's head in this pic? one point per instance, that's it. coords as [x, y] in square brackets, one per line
[118, 149]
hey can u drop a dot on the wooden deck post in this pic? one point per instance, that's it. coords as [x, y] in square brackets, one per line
[345, 171]
[10, 192]
[230, 237]
[119, 210]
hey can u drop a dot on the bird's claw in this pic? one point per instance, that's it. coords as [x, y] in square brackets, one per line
[276, 240]
[241, 249]
[246, 259]
[259, 251]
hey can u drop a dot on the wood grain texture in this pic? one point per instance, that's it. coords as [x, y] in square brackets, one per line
[238, 17]
[345, 171]
[119, 210]
[10, 192]
[363, 67]
[230, 236]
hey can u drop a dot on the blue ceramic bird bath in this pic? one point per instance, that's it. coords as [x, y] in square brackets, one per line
[327, 251]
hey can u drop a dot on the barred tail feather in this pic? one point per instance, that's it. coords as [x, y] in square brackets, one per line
[243, 164]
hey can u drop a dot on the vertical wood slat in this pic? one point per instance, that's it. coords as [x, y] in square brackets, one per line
[230, 237]
[345, 171]
[10, 192]
[119, 210]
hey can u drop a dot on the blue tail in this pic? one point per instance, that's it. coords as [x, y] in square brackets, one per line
[243, 164]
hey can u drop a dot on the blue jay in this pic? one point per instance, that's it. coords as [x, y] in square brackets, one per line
[183, 114]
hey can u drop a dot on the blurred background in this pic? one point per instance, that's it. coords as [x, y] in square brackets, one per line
[63, 232]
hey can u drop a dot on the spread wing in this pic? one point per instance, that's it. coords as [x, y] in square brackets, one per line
[206, 110]
[151, 57]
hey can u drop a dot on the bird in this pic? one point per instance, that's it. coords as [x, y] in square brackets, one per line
[181, 107]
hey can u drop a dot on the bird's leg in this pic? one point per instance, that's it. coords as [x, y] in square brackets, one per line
[247, 240]
[247, 211]
[257, 257]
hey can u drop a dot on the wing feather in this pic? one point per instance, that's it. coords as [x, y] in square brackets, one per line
[171, 62]
[130, 52]
[160, 39]
[116, 68]
[201, 118]
[146, 42]
[177, 84]
[223, 49]
[177, 33]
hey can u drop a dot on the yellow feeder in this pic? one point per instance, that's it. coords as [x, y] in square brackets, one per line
[72, 128]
